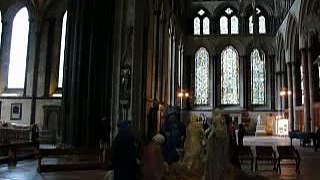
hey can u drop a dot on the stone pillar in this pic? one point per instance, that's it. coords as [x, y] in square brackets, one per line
[289, 96]
[306, 114]
[272, 81]
[245, 78]
[311, 89]
[294, 95]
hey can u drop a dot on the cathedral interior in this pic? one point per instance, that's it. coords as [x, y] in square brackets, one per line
[257, 61]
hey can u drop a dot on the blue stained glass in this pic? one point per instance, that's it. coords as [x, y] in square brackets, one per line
[258, 77]
[201, 77]
[229, 76]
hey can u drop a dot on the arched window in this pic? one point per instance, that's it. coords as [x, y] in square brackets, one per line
[206, 26]
[261, 22]
[229, 22]
[0, 28]
[258, 77]
[201, 23]
[250, 25]
[223, 25]
[18, 50]
[201, 76]
[196, 26]
[229, 76]
[262, 25]
[62, 48]
[234, 25]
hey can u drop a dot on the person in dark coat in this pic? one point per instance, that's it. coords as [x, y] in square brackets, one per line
[241, 133]
[125, 154]
[317, 139]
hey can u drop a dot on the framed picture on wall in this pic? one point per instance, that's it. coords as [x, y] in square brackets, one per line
[16, 111]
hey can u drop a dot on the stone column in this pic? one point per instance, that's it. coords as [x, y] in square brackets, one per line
[306, 114]
[289, 96]
[294, 95]
[271, 79]
[311, 89]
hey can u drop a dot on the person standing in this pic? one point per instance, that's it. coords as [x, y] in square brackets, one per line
[125, 154]
[241, 133]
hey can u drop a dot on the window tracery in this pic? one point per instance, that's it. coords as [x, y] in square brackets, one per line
[229, 22]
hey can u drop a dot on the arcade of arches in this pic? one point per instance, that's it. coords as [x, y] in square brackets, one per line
[65, 64]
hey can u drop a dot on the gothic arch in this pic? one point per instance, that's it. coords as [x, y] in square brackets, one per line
[291, 33]
[218, 11]
[238, 45]
[12, 11]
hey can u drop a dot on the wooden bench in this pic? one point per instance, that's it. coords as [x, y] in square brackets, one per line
[13, 156]
[288, 153]
[245, 154]
[265, 153]
[82, 159]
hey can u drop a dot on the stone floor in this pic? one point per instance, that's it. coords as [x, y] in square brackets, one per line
[310, 166]
[310, 160]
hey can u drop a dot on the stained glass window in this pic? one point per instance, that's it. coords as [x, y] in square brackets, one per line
[258, 77]
[0, 27]
[234, 25]
[206, 26]
[62, 47]
[250, 25]
[262, 25]
[223, 25]
[201, 76]
[229, 76]
[18, 51]
[196, 26]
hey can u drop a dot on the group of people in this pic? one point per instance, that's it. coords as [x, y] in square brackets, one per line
[132, 161]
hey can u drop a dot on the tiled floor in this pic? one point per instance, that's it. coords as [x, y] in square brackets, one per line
[310, 166]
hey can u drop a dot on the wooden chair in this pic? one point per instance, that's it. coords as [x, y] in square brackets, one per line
[265, 153]
[288, 153]
[245, 154]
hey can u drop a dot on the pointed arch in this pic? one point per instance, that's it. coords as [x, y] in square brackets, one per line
[18, 49]
[229, 76]
[201, 77]
[258, 77]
